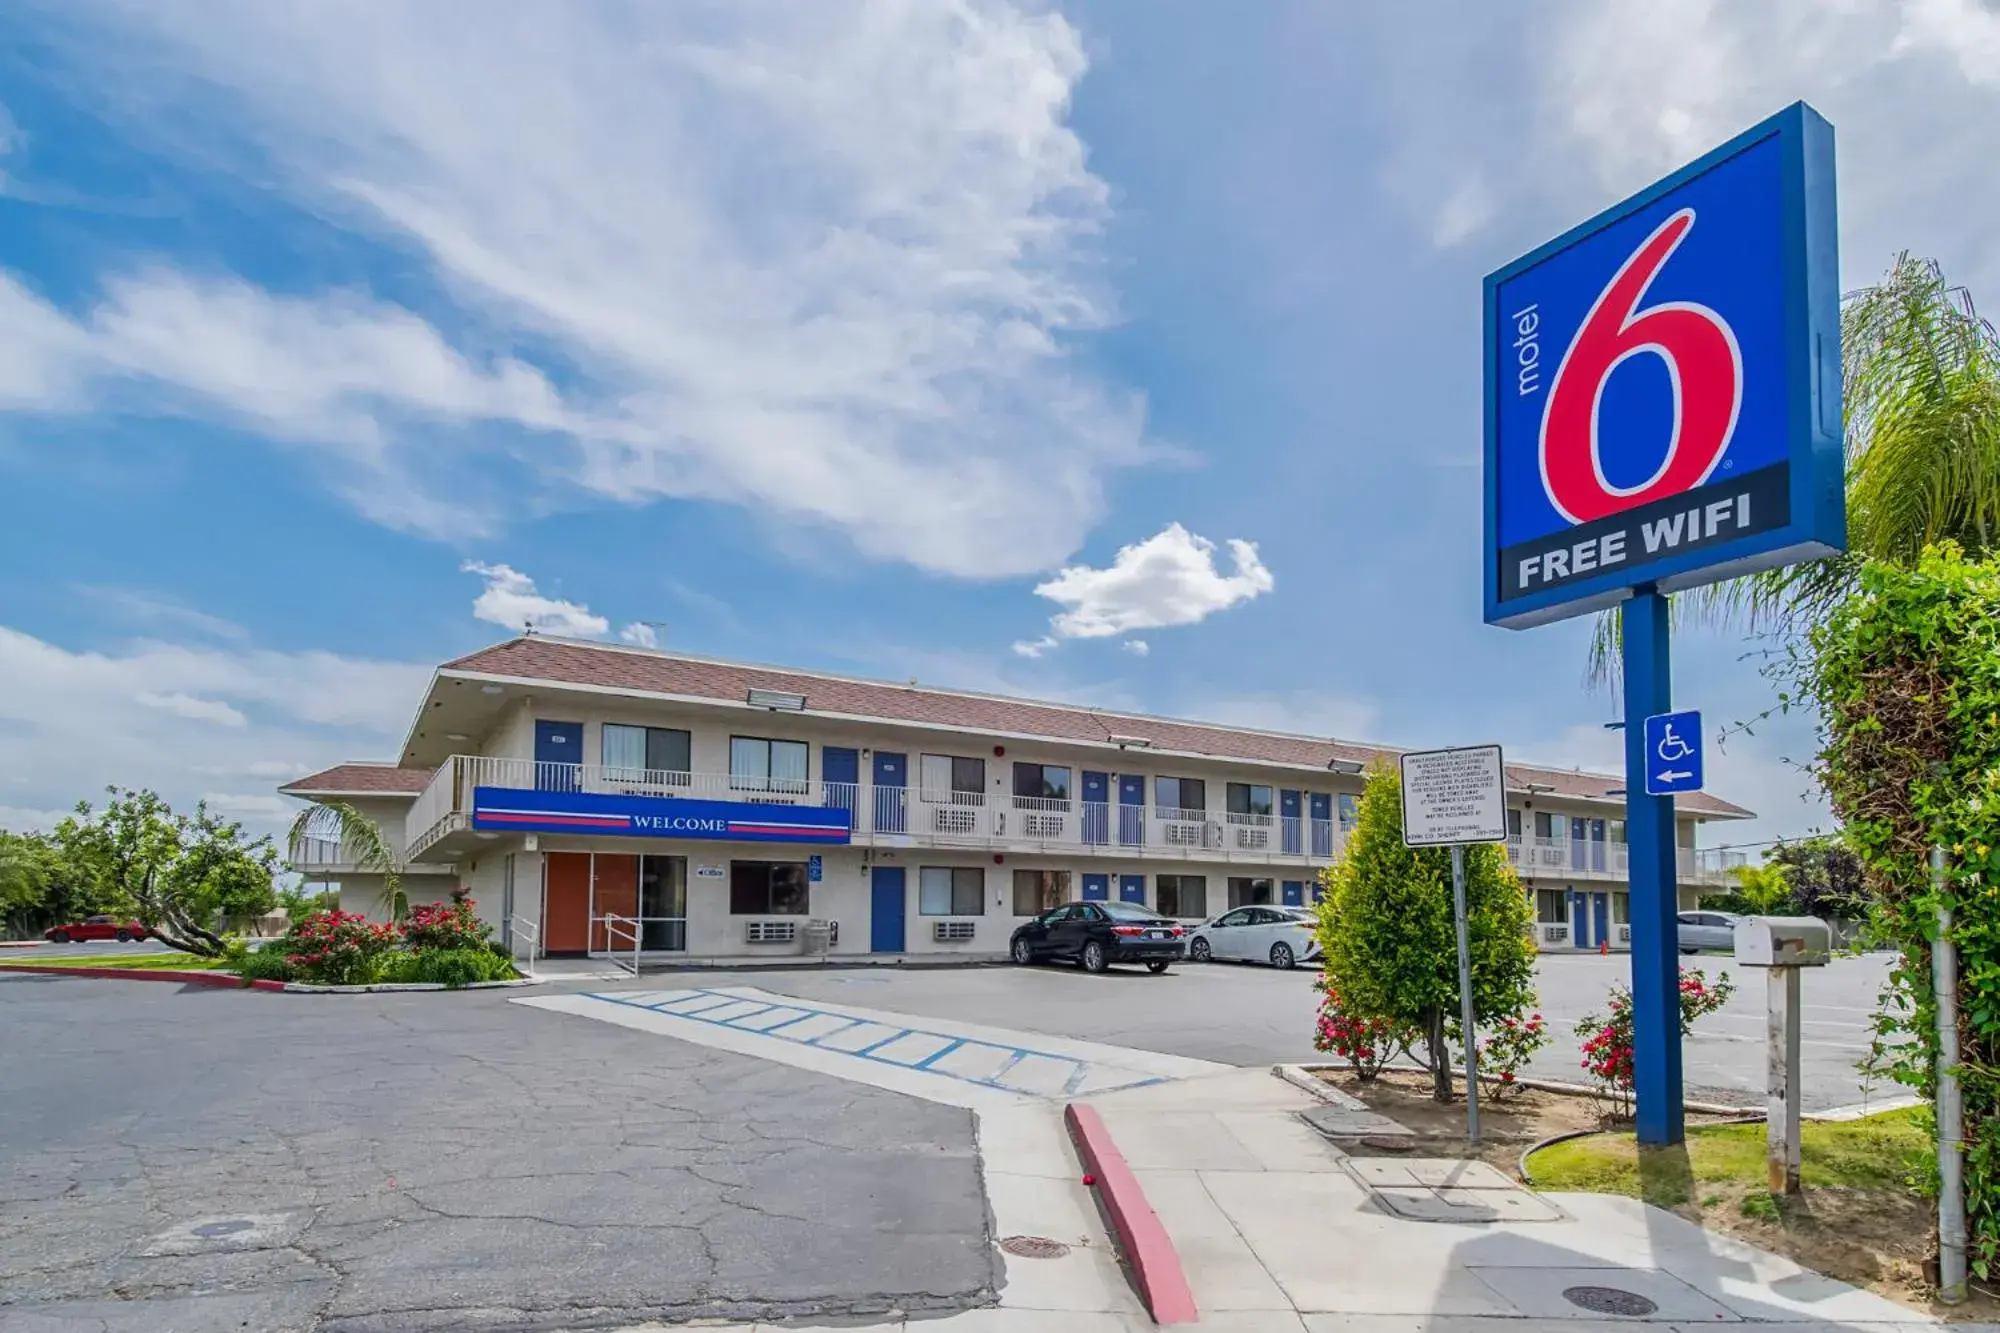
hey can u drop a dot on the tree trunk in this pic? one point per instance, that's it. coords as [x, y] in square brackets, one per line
[1434, 1037]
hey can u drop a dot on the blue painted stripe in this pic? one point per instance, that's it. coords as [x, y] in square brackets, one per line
[936, 1056]
[846, 1024]
[875, 1046]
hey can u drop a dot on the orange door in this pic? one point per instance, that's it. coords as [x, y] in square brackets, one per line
[617, 895]
[566, 913]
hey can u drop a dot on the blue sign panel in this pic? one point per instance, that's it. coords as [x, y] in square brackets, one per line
[544, 811]
[1673, 753]
[813, 869]
[1663, 385]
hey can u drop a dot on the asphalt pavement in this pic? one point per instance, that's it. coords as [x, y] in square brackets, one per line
[195, 1159]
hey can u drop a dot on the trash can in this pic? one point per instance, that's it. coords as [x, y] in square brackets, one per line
[818, 938]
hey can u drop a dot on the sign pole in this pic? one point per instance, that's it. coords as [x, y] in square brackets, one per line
[1655, 877]
[1465, 993]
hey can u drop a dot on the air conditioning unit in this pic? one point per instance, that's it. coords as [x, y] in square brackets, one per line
[954, 820]
[770, 932]
[1255, 839]
[1624, 934]
[1044, 826]
[952, 932]
[1555, 934]
[1183, 835]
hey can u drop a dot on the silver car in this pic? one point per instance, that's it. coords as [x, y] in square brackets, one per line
[1280, 936]
[1707, 930]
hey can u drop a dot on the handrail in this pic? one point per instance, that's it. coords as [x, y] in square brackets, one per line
[518, 926]
[614, 926]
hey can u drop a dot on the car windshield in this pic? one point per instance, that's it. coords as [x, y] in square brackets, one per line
[1127, 912]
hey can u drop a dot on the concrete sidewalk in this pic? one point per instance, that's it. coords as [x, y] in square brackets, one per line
[1276, 1230]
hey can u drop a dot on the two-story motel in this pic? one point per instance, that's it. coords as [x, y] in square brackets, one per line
[593, 797]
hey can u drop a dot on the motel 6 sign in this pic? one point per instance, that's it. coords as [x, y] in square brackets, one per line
[1663, 385]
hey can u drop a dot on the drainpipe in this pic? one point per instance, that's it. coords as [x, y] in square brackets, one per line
[1950, 1102]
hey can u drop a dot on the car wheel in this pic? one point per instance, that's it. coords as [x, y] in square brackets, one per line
[1156, 968]
[1093, 958]
[124, 937]
[1690, 952]
[1200, 952]
[1023, 955]
[1281, 956]
[60, 937]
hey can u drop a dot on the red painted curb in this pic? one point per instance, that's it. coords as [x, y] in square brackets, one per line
[1146, 1245]
[225, 979]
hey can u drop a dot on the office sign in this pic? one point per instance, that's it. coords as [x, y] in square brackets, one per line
[618, 815]
[1673, 753]
[1454, 796]
[1663, 400]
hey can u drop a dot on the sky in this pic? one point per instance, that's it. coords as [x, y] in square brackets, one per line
[1123, 351]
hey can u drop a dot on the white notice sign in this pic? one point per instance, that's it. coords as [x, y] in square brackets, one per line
[1454, 796]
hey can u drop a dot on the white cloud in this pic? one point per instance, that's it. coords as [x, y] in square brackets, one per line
[510, 599]
[73, 721]
[1136, 647]
[193, 709]
[1033, 647]
[138, 607]
[823, 262]
[640, 634]
[1169, 579]
[1299, 713]
[1465, 211]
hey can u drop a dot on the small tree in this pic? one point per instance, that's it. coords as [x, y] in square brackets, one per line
[362, 845]
[1387, 934]
[1825, 875]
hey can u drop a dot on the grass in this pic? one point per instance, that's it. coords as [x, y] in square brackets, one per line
[173, 962]
[1879, 1152]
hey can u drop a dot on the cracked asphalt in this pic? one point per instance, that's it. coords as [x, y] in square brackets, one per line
[180, 1161]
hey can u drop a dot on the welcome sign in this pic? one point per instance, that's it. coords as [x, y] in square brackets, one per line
[635, 816]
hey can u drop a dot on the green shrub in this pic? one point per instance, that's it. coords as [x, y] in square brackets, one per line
[266, 964]
[396, 969]
[460, 967]
[338, 948]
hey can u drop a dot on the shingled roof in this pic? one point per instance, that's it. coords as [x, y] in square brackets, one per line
[360, 779]
[650, 671]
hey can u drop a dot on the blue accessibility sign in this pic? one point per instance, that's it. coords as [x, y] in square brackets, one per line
[1673, 753]
[813, 869]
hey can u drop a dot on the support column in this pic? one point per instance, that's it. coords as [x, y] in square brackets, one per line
[1781, 1096]
[1655, 902]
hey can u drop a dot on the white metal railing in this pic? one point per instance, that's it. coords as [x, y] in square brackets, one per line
[616, 927]
[518, 928]
[310, 851]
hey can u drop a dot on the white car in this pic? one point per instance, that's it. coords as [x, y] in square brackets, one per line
[1280, 936]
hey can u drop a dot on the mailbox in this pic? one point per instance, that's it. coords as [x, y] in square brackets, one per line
[1782, 941]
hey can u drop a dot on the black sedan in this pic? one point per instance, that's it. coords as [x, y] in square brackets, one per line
[1097, 935]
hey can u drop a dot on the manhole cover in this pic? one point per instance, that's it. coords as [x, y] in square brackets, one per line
[1610, 1300]
[210, 1230]
[1377, 1143]
[1034, 1247]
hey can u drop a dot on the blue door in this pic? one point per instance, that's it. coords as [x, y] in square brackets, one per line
[1290, 836]
[1096, 808]
[1579, 844]
[1132, 889]
[1600, 917]
[1295, 893]
[1597, 844]
[1131, 810]
[1322, 824]
[840, 779]
[885, 909]
[892, 773]
[1579, 912]
[1096, 888]
[558, 751]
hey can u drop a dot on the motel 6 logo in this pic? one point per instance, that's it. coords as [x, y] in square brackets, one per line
[1704, 367]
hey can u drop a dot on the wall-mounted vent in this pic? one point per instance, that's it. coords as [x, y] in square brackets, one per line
[952, 932]
[770, 932]
[780, 699]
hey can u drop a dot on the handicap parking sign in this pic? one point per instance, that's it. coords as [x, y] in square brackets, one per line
[1673, 753]
[813, 869]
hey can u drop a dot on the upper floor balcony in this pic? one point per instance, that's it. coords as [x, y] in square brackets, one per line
[312, 856]
[1578, 858]
[880, 815]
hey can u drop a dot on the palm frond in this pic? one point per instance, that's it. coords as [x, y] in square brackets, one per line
[362, 845]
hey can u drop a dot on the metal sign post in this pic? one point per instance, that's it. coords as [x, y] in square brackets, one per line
[1452, 798]
[1663, 411]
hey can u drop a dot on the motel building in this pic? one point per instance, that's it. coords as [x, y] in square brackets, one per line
[604, 800]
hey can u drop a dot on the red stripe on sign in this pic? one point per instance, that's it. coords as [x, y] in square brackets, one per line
[537, 817]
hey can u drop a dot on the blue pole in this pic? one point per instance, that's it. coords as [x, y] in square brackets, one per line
[1649, 831]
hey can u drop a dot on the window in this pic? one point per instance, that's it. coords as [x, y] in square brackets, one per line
[767, 888]
[661, 752]
[1552, 907]
[1044, 782]
[1037, 891]
[951, 891]
[756, 764]
[952, 779]
[1621, 909]
[1618, 830]
[1514, 825]
[1243, 892]
[1549, 826]
[1350, 810]
[1246, 799]
[1180, 793]
[1181, 895]
[1240, 917]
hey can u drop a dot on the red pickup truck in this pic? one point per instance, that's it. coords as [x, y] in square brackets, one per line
[97, 928]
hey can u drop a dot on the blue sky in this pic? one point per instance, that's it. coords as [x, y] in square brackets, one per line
[853, 336]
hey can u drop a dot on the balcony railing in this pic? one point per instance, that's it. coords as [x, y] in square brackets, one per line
[1612, 860]
[316, 855]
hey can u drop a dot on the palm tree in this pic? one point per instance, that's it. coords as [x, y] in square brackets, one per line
[1764, 890]
[362, 845]
[1921, 386]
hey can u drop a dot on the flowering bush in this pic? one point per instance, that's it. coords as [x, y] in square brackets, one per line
[447, 925]
[1509, 1044]
[1365, 1043]
[338, 948]
[1607, 1040]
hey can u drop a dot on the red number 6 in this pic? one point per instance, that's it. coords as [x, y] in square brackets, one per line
[1704, 366]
